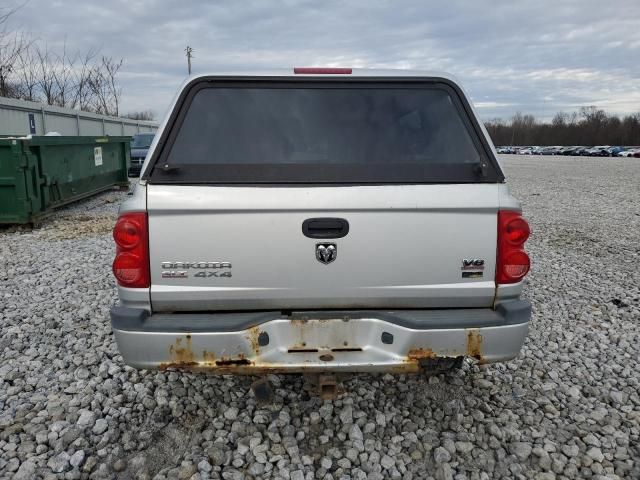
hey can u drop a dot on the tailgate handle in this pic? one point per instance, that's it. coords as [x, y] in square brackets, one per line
[325, 227]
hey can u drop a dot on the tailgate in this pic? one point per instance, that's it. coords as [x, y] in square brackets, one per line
[243, 248]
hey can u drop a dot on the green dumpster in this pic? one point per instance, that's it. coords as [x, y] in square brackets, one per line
[39, 174]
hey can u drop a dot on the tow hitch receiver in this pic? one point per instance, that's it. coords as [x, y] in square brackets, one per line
[328, 387]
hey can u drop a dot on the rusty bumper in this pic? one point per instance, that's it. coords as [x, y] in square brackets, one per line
[269, 342]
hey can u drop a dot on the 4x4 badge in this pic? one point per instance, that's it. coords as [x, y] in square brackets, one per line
[326, 252]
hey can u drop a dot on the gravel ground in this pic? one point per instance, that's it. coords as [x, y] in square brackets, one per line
[567, 408]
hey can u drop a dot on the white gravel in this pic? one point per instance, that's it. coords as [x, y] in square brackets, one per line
[567, 408]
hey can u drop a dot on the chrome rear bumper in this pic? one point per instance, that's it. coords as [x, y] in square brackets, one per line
[364, 341]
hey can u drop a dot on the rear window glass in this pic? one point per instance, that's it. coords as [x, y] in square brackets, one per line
[338, 134]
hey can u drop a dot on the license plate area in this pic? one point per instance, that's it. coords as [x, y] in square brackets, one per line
[324, 335]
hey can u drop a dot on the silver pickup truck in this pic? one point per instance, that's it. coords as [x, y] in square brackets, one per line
[320, 220]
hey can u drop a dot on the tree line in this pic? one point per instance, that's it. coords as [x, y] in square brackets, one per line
[589, 126]
[83, 80]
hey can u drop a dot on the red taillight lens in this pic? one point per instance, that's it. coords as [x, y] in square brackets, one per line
[512, 261]
[131, 265]
[126, 233]
[516, 265]
[321, 71]
[127, 269]
[517, 231]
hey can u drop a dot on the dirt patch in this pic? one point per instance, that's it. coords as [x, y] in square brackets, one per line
[80, 225]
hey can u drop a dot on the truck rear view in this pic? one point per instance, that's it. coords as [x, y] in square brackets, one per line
[326, 220]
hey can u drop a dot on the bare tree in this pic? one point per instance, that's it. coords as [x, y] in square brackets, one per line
[111, 68]
[28, 75]
[560, 119]
[31, 71]
[64, 66]
[589, 126]
[46, 74]
[141, 115]
[104, 86]
[83, 95]
[71, 80]
[11, 45]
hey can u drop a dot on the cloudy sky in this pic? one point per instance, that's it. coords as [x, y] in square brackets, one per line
[536, 57]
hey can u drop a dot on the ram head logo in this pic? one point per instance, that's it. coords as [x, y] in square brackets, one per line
[326, 252]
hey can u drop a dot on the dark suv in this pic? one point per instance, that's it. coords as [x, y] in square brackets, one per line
[140, 144]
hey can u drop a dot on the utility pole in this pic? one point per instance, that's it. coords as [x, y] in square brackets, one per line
[189, 51]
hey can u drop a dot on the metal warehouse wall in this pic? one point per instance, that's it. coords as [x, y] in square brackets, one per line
[19, 117]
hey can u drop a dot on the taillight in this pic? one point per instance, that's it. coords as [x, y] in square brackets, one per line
[512, 262]
[321, 71]
[131, 265]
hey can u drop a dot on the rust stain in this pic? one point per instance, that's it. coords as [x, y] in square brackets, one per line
[474, 344]
[178, 365]
[182, 354]
[233, 361]
[254, 333]
[248, 370]
[209, 358]
[182, 357]
[227, 367]
[420, 353]
[243, 366]
[411, 364]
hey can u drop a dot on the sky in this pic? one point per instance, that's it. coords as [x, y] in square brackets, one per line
[536, 57]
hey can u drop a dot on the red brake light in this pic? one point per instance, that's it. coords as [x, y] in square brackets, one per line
[512, 261]
[517, 231]
[131, 265]
[321, 71]
[126, 233]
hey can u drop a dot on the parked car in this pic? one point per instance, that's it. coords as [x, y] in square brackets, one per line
[536, 150]
[581, 151]
[614, 151]
[283, 226]
[507, 150]
[548, 150]
[140, 144]
[631, 152]
[568, 150]
[599, 151]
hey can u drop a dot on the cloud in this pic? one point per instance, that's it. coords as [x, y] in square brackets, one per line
[534, 57]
